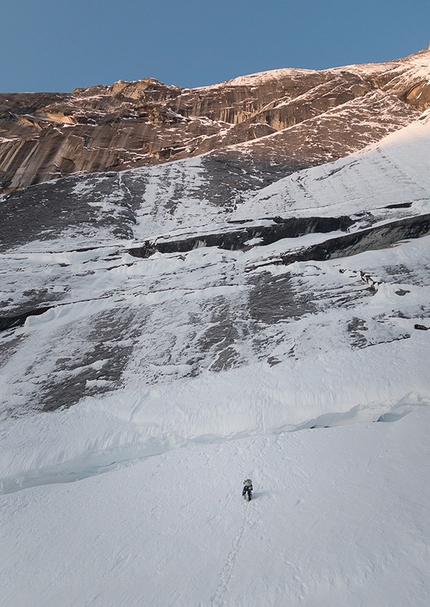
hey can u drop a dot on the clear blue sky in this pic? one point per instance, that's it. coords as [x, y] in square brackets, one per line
[57, 45]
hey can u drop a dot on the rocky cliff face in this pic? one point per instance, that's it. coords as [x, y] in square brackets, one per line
[288, 119]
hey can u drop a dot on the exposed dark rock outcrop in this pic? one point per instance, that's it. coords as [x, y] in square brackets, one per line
[241, 238]
[10, 322]
[378, 237]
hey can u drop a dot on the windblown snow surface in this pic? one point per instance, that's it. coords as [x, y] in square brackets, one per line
[309, 377]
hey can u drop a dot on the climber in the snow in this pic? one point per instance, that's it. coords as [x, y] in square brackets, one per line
[247, 489]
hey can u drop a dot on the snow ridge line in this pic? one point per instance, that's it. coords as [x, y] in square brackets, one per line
[231, 561]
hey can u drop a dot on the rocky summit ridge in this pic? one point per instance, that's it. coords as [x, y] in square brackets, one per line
[288, 119]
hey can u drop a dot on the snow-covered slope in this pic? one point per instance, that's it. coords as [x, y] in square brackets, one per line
[171, 330]
[339, 517]
[396, 170]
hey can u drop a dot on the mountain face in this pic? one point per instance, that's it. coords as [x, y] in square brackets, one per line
[312, 117]
[222, 261]
[189, 277]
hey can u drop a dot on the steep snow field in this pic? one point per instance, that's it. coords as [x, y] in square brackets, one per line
[339, 517]
[222, 365]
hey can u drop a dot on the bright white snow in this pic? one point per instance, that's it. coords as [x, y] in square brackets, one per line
[339, 517]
